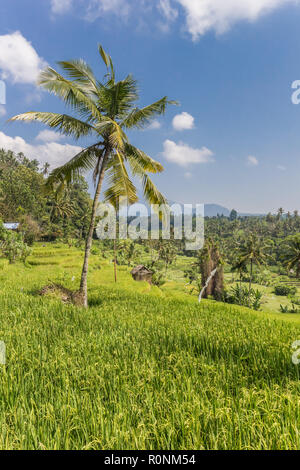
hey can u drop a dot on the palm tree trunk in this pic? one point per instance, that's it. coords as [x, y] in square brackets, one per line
[251, 273]
[250, 281]
[89, 240]
[115, 260]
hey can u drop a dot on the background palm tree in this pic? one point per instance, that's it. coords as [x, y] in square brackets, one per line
[61, 206]
[104, 110]
[45, 169]
[252, 251]
[239, 266]
[290, 253]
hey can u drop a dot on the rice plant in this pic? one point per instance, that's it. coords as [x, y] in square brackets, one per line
[139, 369]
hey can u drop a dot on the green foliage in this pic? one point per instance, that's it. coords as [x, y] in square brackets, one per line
[167, 253]
[158, 278]
[191, 274]
[30, 229]
[103, 109]
[241, 295]
[284, 290]
[138, 370]
[13, 247]
[22, 199]
[233, 215]
[290, 253]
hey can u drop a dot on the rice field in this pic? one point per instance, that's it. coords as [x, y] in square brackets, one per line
[143, 368]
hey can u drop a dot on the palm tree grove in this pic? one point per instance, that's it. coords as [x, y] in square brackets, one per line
[149, 253]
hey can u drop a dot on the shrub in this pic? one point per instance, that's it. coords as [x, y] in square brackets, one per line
[13, 246]
[30, 229]
[285, 290]
[241, 295]
[158, 279]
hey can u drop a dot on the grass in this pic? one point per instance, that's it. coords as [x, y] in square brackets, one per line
[142, 368]
[270, 302]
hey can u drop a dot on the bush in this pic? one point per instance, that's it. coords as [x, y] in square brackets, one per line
[241, 295]
[29, 229]
[284, 290]
[13, 247]
[158, 279]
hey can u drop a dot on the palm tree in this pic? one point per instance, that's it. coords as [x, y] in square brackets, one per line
[239, 266]
[45, 169]
[61, 207]
[280, 213]
[252, 251]
[104, 110]
[290, 253]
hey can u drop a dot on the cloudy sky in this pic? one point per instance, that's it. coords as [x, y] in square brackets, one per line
[234, 139]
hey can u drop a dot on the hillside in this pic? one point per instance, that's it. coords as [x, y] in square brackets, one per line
[142, 368]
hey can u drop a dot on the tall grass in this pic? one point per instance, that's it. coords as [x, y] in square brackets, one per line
[141, 371]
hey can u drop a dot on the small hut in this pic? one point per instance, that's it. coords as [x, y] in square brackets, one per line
[141, 273]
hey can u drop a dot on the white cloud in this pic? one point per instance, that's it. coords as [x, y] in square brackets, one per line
[252, 161]
[19, 61]
[154, 125]
[49, 136]
[2, 111]
[201, 16]
[220, 15]
[60, 6]
[51, 152]
[182, 154]
[167, 10]
[98, 8]
[183, 121]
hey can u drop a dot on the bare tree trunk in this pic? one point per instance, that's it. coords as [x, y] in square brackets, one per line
[89, 240]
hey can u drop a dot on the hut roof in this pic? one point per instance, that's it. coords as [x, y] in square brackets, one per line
[141, 269]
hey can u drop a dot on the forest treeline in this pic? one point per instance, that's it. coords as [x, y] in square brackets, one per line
[42, 215]
[241, 245]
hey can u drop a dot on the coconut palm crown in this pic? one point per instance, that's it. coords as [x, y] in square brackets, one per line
[104, 111]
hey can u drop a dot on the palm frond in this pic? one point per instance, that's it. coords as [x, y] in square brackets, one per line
[108, 62]
[119, 183]
[117, 137]
[142, 117]
[71, 93]
[67, 125]
[105, 57]
[151, 193]
[117, 98]
[139, 160]
[80, 71]
[80, 163]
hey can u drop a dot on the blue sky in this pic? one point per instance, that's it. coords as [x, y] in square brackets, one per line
[234, 139]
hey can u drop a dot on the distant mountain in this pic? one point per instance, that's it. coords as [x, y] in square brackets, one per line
[212, 210]
[246, 214]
